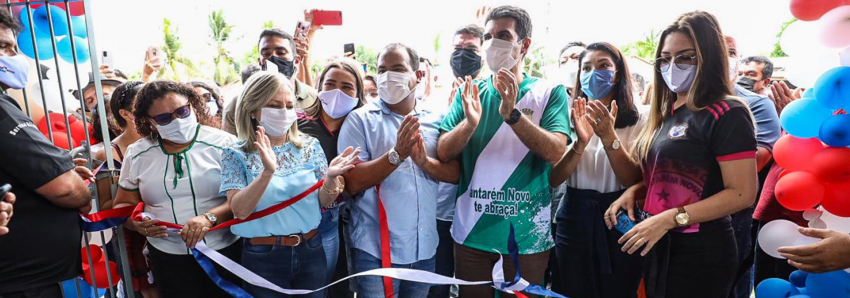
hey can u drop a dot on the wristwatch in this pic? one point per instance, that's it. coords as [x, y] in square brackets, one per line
[211, 217]
[615, 145]
[515, 115]
[394, 158]
[682, 217]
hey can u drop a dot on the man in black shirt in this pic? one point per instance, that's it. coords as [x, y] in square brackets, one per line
[42, 247]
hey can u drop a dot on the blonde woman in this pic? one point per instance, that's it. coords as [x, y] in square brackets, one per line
[272, 163]
[698, 156]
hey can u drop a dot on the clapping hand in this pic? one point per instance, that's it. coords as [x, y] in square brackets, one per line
[583, 128]
[343, 162]
[407, 137]
[471, 102]
[507, 86]
[602, 120]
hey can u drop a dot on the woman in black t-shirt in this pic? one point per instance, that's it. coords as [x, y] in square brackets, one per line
[340, 92]
[697, 153]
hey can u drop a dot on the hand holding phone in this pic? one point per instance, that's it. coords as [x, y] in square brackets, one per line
[348, 49]
[327, 18]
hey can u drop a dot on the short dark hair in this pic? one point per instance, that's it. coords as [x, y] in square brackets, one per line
[214, 90]
[767, 70]
[122, 99]
[8, 21]
[157, 90]
[275, 32]
[473, 30]
[411, 53]
[523, 20]
[570, 45]
[248, 71]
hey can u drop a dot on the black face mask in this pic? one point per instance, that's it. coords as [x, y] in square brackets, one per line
[287, 68]
[465, 62]
[747, 83]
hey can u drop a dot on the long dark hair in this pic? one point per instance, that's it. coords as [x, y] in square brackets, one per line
[349, 66]
[158, 90]
[627, 114]
[122, 99]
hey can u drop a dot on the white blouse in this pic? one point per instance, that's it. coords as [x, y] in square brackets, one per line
[176, 187]
[594, 171]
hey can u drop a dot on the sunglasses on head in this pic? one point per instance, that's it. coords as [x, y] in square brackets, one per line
[165, 119]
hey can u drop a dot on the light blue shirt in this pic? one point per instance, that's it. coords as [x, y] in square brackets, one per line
[409, 194]
[297, 170]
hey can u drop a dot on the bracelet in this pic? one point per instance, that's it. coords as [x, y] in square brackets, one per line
[337, 190]
[576, 151]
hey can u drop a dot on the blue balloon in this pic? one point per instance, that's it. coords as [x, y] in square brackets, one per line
[798, 278]
[775, 288]
[835, 131]
[69, 287]
[44, 44]
[832, 89]
[24, 18]
[60, 23]
[78, 24]
[800, 296]
[81, 45]
[809, 93]
[802, 118]
[835, 284]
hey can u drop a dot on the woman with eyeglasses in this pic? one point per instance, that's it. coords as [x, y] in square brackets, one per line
[211, 96]
[597, 170]
[274, 163]
[175, 169]
[697, 152]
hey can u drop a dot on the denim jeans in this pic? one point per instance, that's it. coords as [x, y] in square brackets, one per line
[445, 262]
[329, 229]
[299, 267]
[742, 223]
[373, 286]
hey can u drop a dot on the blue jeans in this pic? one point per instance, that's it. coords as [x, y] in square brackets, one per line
[299, 267]
[445, 259]
[373, 286]
[329, 229]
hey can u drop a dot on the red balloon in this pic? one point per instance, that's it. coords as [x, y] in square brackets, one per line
[76, 7]
[837, 199]
[812, 10]
[799, 191]
[60, 139]
[103, 272]
[57, 125]
[793, 153]
[832, 165]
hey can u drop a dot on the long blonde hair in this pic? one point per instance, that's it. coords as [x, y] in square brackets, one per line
[711, 82]
[258, 91]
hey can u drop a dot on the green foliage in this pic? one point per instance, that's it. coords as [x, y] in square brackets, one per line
[536, 59]
[437, 45]
[171, 48]
[226, 69]
[368, 56]
[643, 48]
[777, 49]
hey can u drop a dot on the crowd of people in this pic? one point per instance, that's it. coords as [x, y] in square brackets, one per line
[613, 185]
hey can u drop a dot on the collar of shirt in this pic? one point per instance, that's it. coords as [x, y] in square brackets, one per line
[380, 105]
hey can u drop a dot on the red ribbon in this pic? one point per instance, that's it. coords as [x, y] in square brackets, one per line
[386, 253]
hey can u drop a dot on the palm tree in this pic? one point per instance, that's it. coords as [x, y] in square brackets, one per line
[171, 48]
[536, 59]
[643, 48]
[226, 70]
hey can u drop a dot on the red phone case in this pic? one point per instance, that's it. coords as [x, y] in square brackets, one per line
[327, 17]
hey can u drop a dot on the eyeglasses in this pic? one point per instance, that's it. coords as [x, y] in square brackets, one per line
[207, 96]
[165, 119]
[662, 64]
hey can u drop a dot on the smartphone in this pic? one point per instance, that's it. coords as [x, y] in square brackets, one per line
[106, 58]
[348, 48]
[3, 190]
[327, 17]
[301, 29]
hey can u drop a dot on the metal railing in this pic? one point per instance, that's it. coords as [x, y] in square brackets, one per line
[84, 151]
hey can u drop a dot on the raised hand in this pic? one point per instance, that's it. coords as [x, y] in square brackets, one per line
[583, 128]
[406, 137]
[264, 148]
[343, 162]
[471, 102]
[507, 86]
[602, 120]
[419, 155]
[781, 95]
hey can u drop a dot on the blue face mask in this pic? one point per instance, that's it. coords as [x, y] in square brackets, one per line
[14, 71]
[597, 84]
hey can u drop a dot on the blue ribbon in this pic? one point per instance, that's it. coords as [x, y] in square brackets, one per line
[104, 224]
[224, 284]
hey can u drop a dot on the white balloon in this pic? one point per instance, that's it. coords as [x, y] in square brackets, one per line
[800, 38]
[804, 70]
[845, 57]
[812, 214]
[776, 234]
[805, 240]
[817, 224]
[836, 223]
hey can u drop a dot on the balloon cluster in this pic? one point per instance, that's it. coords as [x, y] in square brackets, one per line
[104, 271]
[60, 134]
[800, 284]
[40, 29]
[818, 42]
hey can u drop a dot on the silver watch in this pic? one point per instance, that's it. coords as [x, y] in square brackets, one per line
[211, 217]
[394, 158]
[615, 145]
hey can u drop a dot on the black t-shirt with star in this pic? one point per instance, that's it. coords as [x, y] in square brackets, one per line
[682, 166]
[43, 244]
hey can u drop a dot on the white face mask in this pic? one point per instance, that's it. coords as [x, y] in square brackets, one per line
[570, 72]
[733, 68]
[393, 86]
[336, 103]
[180, 131]
[213, 107]
[277, 121]
[420, 90]
[679, 80]
[500, 54]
